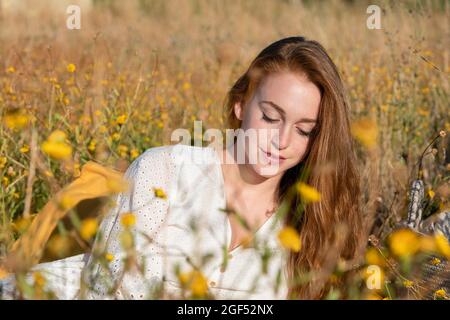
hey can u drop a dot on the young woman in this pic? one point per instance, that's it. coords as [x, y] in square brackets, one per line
[209, 218]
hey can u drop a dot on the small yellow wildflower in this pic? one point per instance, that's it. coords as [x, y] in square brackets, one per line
[442, 245]
[115, 136]
[15, 120]
[408, 283]
[435, 261]
[290, 239]
[71, 68]
[121, 119]
[39, 279]
[3, 161]
[308, 193]
[427, 243]
[10, 69]
[66, 202]
[365, 131]
[373, 256]
[134, 153]
[88, 228]
[59, 245]
[404, 242]
[56, 147]
[123, 150]
[441, 293]
[24, 149]
[128, 219]
[109, 257]
[431, 193]
[159, 193]
[195, 281]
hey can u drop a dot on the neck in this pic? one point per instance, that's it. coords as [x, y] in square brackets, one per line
[246, 179]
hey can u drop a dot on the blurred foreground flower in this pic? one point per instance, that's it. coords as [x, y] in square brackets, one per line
[308, 193]
[159, 193]
[128, 220]
[195, 281]
[88, 228]
[15, 120]
[404, 242]
[290, 239]
[442, 245]
[365, 131]
[71, 68]
[56, 146]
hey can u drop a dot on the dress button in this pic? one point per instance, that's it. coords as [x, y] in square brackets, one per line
[212, 284]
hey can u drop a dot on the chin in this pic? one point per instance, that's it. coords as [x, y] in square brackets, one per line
[267, 171]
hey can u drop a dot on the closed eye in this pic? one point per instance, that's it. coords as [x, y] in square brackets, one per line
[267, 119]
[303, 133]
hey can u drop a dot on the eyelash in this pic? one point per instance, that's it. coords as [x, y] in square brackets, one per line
[301, 132]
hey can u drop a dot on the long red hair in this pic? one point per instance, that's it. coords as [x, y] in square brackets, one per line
[330, 229]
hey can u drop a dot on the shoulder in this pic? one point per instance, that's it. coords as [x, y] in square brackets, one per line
[171, 158]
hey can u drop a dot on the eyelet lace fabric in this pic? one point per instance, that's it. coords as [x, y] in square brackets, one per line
[174, 232]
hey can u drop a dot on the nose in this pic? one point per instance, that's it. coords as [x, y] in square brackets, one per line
[280, 139]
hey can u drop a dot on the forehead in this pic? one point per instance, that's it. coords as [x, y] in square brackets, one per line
[296, 95]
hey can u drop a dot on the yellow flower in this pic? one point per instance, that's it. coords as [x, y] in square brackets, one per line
[159, 193]
[195, 281]
[24, 149]
[115, 136]
[109, 257]
[3, 161]
[441, 293]
[134, 153]
[59, 245]
[365, 131]
[121, 119]
[56, 147]
[123, 150]
[88, 228]
[186, 86]
[435, 261]
[39, 279]
[71, 68]
[66, 202]
[290, 239]
[128, 219]
[21, 225]
[10, 69]
[442, 245]
[308, 193]
[404, 242]
[15, 120]
[373, 256]
[427, 243]
[408, 283]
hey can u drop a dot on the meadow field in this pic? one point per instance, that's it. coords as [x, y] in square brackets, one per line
[137, 70]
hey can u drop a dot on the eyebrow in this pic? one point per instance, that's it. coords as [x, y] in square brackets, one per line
[283, 113]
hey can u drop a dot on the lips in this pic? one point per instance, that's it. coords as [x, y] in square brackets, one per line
[273, 157]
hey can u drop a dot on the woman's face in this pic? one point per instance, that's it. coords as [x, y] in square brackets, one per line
[283, 111]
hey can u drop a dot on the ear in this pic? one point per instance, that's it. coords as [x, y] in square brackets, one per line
[238, 110]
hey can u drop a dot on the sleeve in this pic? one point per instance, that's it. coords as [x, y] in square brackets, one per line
[105, 278]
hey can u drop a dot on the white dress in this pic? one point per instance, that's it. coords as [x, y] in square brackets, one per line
[189, 223]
